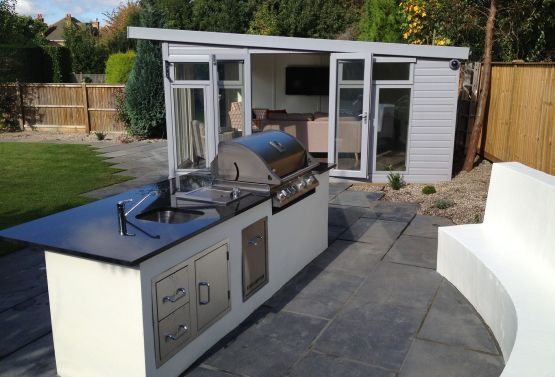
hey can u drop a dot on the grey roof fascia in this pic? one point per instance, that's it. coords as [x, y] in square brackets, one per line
[295, 44]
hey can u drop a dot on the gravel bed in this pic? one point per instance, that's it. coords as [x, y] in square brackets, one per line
[467, 191]
[30, 136]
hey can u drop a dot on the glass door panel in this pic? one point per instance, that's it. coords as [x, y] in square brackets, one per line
[391, 121]
[231, 107]
[349, 107]
[190, 127]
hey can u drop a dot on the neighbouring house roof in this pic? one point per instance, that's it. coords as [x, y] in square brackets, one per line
[202, 38]
[55, 32]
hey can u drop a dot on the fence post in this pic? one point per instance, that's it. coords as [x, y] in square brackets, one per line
[86, 108]
[21, 114]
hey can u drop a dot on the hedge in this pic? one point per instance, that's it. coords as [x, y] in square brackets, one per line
[118, 67]
[20, 64]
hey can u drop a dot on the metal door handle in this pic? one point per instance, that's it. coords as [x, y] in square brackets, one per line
[178, 334]
[254, 241]
[179, 293]
[363, 115]
[207, 285]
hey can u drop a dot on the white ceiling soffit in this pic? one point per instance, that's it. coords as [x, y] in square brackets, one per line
[294, 44]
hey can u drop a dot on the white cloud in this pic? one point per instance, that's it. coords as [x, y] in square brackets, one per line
[25, 7]
[53, 10]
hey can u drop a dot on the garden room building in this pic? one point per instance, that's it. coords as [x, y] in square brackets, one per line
[367, 107]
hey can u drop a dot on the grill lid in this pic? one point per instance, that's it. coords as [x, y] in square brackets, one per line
[265, 157]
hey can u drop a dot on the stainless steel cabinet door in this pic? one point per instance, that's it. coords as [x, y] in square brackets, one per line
[255, 258]
[212, 284]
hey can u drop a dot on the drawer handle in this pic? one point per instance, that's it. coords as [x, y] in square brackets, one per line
[254, 241]
[179, 294]
[207, 285]
[178, 334]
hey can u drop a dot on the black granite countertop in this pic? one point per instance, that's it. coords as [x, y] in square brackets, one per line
[91, 231]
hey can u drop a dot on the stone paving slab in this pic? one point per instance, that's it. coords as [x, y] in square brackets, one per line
[398, 284]
[426, 226]
[36, 359]
[267, 344]
[338, 187]
[356, 198]
[320, 365]
[389, 211]
[414, 251]
[452, 320]
[378, 234]
[354, 257]
[334, 232]
[343, 216]
[316, 292]
[374, 334]
[24, 323]
[427, 359]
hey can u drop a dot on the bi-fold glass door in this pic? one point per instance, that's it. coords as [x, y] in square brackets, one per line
[349, 107]
[210, 102]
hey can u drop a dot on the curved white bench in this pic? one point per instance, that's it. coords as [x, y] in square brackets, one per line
[505, 267]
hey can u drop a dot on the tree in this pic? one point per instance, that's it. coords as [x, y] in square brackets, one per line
[231, 16]
[118, 67]
[144, 93]
[484, 91]
[114, 33]
[380, 21]
[304, 18]
[87, 56]
[20, 30]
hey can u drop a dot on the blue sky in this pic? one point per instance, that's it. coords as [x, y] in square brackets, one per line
[53, 10]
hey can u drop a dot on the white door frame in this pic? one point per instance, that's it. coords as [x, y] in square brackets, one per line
[365, 146]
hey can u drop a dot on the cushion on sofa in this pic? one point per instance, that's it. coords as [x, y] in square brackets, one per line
[321, 116]
[260, 113]
[272, 112]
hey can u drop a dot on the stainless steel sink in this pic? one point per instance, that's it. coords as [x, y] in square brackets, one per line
[170, 215]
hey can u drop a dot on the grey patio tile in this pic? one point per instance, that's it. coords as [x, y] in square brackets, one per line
[34, 360]
[396, 284]
[316, 292]
[427, 359]
[344, 216]
[319, 365]
[453, 320]
[24, 323]
[354, 257]
[21, 259]
[375, 334]
[414, 251]
[337, 187]
[266, 344]
[426, 226]
[393, 211]
[378, 234]
[201, 371]
[357, 198]
[22, 284]
[334, 232]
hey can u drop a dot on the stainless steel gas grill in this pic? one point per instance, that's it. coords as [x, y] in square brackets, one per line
[272, 163]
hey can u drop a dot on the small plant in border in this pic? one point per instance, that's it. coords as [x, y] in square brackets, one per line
[428, 189]
[444, 203]
[100, 135]
[396, 180]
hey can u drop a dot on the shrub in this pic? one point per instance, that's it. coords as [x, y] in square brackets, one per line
[100, 135]
[57, 64]
[118, 67]
[144, 92]
[20, 64]
[396, 180]
[428, 189]
[444, 203]
[8, 117]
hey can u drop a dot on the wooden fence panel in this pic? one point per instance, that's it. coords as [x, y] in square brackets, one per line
[69, 107]
[521, 117]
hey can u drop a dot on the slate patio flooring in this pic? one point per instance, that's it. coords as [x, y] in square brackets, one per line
[370, 305]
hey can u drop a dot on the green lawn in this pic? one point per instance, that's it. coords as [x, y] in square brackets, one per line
[40, 179]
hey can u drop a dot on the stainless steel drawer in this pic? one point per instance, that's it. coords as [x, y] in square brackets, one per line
[174, 331]
[255, 257]
[172, 292]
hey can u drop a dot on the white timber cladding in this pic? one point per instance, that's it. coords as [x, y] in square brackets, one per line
[434, 112]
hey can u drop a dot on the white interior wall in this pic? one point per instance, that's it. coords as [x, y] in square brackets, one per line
[268, 82]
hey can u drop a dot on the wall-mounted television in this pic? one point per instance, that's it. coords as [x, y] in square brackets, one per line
[307, 80]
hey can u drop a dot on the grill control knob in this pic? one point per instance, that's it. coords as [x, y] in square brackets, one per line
[309, 180]
[282, 195]
[300, 185]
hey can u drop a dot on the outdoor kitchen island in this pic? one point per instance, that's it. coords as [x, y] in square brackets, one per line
[152, 302]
